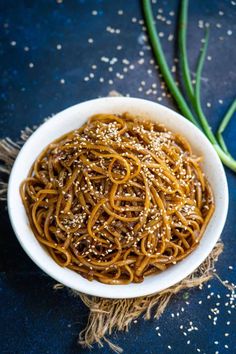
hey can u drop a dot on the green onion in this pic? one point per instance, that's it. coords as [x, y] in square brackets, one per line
[206, 128]
[160, 57]
[225, 121]
[193, 93]
[227, 159]
[183, 51]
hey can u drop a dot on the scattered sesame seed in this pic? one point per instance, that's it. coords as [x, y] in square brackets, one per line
[170, 37]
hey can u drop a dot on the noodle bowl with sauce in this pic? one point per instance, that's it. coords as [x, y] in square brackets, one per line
[118, 199]
[70, 120]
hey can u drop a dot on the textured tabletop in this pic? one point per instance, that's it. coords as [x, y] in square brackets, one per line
[55, 54]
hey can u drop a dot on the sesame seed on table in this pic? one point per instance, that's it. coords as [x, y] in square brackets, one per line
[57, 53]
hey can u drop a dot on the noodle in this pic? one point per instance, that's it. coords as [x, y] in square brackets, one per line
[118, 199]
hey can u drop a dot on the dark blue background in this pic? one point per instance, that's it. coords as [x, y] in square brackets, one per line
[34, 317]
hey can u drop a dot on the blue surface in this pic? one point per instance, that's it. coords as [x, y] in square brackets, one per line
[34, 317]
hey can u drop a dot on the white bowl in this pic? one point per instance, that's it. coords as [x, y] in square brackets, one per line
[73, 118]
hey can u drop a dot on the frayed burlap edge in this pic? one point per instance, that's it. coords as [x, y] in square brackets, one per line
[109, 315]
[8, 153]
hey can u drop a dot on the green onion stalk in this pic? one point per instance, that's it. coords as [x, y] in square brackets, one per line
[191, 109]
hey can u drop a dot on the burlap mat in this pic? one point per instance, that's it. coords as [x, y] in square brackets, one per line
[109, 315]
